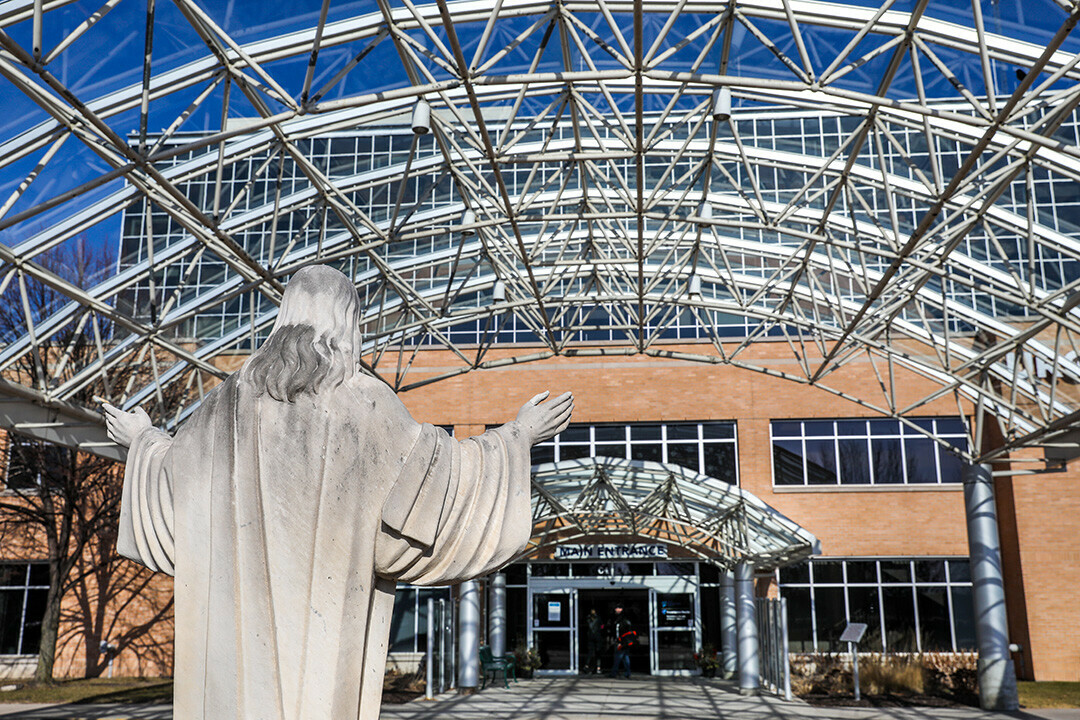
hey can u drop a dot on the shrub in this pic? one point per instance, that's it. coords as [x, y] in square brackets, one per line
[891, 674]
[527, 658]
[706, 659]
[953, 675]
[949, 675]
[819, 674]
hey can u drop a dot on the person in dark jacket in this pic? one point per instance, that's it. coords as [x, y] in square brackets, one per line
[594, 640]
[625, 637]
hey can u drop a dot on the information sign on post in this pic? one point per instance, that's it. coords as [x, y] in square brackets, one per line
[852, 635]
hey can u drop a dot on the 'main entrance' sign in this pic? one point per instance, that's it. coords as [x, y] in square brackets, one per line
[632, 551]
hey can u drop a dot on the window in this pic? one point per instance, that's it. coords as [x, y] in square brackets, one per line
[23, 587]
[908, 604]
[408, 624]
[706, 447]
[33, 462]
[876, 451]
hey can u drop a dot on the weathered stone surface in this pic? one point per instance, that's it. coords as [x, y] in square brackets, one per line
[295, 498]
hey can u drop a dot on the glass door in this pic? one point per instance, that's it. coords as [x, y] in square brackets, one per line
[674, 631]
[554, 630]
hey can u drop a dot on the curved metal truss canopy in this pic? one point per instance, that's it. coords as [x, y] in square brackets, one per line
[599, 500]
[888, 183]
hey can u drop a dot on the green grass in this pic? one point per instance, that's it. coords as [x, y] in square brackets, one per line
[1049, 694]
[97, 690]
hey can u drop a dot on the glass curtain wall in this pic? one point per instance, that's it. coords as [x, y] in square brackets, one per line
[919, 604]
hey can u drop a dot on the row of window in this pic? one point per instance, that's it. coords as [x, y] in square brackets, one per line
[908, 605]
[919, 604]
[708, 448]
[595, 323]
[810, 453]
[1055, 200]
[866, 452]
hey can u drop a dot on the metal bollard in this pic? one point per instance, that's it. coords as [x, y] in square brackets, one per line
[429, 690]
[442, 646]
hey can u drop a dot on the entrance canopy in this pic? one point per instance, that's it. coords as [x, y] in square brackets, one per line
[890, 183]
[609, 500]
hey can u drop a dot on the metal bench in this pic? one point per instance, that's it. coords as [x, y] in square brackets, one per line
[492, 664]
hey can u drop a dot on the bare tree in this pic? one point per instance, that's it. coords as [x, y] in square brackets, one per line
[116, 606]
[65, 501]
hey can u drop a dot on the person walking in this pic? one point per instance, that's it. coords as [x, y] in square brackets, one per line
[625, 638]
[594, 639]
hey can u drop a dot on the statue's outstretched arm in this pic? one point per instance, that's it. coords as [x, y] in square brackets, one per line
[543, 422]
[145, 533]
[123, 427]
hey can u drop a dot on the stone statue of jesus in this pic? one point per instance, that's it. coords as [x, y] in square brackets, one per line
[293, 500]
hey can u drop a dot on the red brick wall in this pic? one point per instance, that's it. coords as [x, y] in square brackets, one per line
[1047, 524]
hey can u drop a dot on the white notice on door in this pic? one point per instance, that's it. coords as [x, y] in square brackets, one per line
[554, 611]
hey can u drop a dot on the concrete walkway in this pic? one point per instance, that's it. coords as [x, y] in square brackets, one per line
[658, 699]
[583, 699]
[105, 711]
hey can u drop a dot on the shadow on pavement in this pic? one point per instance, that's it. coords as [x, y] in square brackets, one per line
[642, 698]
[589, 698]
[80, 711]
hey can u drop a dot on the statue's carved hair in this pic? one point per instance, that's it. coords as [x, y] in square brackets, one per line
[315, 343]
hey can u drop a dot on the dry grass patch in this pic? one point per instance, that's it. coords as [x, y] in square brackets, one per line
[892, 675]
[931, 678]
[95, 690]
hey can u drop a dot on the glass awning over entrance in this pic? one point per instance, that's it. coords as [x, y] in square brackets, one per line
[604, 500]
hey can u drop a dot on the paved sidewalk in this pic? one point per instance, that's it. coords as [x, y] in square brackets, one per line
[20, 711]
[659, 699]
[642, 698]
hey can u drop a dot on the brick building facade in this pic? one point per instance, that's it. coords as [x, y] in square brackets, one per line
[1038, 514]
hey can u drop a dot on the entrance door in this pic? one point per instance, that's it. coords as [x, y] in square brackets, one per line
[636, 606]
[554, 630]
[675, 630]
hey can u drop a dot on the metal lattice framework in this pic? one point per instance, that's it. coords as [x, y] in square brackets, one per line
[615, 500]
[613, 166]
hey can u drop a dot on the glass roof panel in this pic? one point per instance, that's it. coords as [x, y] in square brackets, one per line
[738, 174]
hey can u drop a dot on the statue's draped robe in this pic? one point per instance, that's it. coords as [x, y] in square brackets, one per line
[287, 526]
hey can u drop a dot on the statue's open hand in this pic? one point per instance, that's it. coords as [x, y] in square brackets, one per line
[123, 426]
[544, 422]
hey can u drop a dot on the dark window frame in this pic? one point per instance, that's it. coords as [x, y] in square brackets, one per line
[789, 440]
[30, 615]
[639, 438]
[955, 582]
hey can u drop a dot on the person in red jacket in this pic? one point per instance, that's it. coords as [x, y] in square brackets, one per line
[625, 637]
